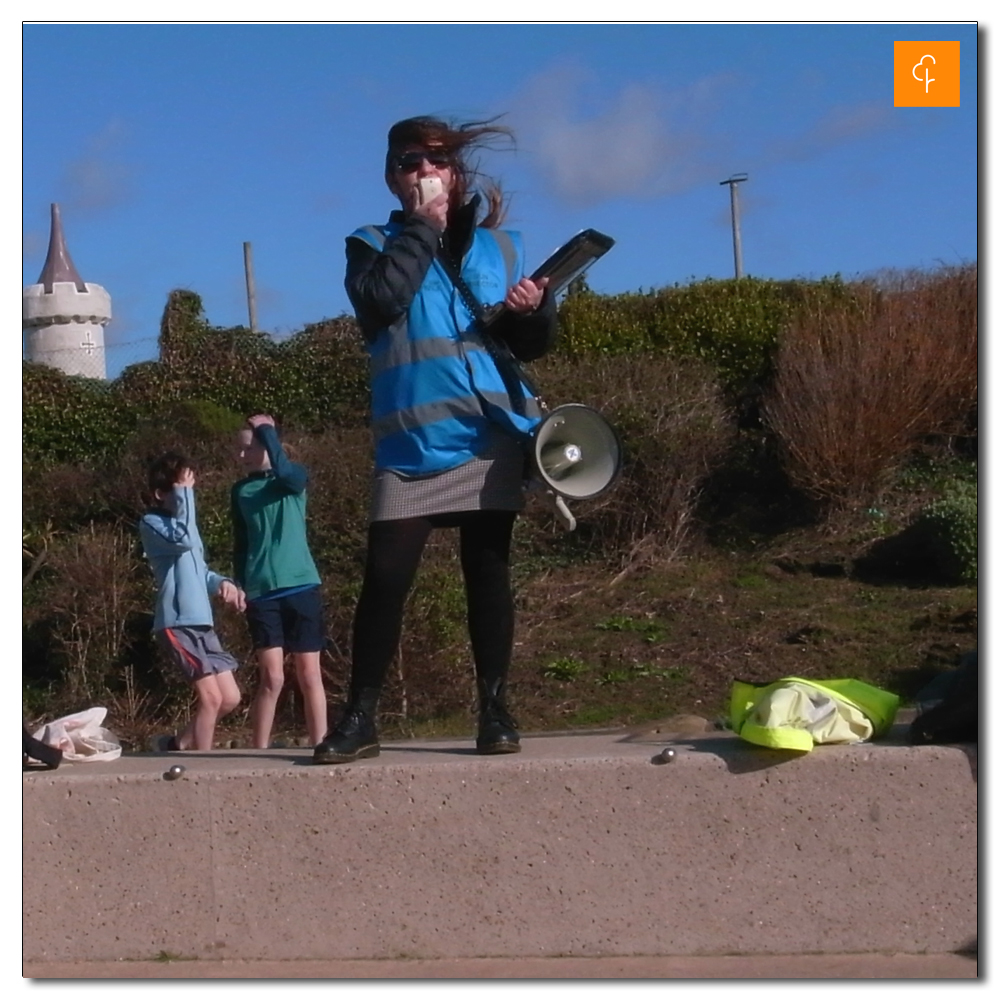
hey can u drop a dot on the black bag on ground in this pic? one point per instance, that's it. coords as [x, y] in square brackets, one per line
[32, 749]
[955, 718]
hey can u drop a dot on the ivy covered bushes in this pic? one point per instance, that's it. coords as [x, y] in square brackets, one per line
[315, 379]
[948, 532]
[68, 417]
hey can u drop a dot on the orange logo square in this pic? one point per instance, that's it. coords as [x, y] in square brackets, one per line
[925, 74]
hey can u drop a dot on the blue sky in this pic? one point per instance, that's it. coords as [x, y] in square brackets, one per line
[180, 142]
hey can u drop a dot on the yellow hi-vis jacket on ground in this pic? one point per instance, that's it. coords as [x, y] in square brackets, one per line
[796, 714]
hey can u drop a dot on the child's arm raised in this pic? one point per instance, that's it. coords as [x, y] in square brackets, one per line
[170, 532]
[291, 475]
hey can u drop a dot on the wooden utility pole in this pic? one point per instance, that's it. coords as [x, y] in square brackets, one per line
[251, 293]
[734, 205]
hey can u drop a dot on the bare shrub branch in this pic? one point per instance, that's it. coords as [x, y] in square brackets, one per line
[97, 588]
[855, 389]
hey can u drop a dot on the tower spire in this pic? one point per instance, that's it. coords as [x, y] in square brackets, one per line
[63, 317]
[59, 265]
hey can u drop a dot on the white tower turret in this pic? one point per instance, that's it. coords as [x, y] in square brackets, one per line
[64, 316]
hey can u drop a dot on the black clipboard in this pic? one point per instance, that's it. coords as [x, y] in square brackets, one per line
[573, 258]
[567, 263]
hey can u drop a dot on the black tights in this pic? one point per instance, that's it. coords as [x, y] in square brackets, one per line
[394, 551]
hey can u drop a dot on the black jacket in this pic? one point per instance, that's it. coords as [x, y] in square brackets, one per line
[381, 286]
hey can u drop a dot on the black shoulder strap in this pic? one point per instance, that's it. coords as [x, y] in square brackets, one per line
[511, 372]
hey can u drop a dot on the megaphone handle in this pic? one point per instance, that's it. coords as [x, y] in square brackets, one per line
[568, 520]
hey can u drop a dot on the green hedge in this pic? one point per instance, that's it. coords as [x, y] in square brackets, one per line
[731, 325]
[69, 418]
[315, 379]
[947, 531]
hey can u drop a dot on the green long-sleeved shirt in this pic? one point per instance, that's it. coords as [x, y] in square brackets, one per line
[270, 549]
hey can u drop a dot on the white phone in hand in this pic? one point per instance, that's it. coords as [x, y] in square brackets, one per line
[430, 188]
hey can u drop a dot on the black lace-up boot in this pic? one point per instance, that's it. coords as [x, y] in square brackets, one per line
[354, 736]
[497, 730]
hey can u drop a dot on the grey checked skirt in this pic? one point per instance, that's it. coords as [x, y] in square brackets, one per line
[493, 480]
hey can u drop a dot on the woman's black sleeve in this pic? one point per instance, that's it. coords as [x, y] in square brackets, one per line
[381, 286]
[528, 335]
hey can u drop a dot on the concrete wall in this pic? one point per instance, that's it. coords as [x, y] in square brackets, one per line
[580, 846]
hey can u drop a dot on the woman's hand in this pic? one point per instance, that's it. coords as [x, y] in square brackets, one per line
[526, 295]
[434, 211]
[260, 420]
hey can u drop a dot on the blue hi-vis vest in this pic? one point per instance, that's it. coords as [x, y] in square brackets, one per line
[435, 388]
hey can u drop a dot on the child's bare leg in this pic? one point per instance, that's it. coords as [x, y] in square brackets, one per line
[200, 731]
[272, 679]
[310, 678]
[230, 692]
[185, 738]
[227, 697]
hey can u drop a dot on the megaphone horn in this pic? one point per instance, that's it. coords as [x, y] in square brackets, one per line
[576, 452]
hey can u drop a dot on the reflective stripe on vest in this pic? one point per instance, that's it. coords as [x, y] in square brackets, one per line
[434, 396]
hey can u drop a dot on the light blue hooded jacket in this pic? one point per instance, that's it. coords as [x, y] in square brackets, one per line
[176, 555]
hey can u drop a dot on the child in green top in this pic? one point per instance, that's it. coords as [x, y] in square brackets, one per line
[273, 565]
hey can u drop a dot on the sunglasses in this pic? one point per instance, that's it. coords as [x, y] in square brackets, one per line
[406, 163]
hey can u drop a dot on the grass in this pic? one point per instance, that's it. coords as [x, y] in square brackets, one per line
[591, 663]
[594, 716]
[564, 668]
[672, 639]
[717, 617]
[651, 630]
[457, 725]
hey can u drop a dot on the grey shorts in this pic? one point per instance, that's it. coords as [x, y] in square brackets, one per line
[196, 650]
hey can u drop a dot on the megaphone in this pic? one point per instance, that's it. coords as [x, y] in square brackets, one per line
[576, 454]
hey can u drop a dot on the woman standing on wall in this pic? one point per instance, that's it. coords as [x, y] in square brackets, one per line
[449, 416]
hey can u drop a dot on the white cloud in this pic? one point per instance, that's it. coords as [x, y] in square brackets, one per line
[644, 141]
[97, 180]
[841, 124]
[637, 143]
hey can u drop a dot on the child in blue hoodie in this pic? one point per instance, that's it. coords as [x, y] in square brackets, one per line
[183, 620]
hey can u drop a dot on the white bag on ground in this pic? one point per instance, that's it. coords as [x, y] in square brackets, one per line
[81, 736]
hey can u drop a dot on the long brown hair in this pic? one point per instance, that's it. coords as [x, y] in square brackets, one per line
[458, 140]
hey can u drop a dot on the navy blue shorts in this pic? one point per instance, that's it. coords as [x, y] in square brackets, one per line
[293, 622]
